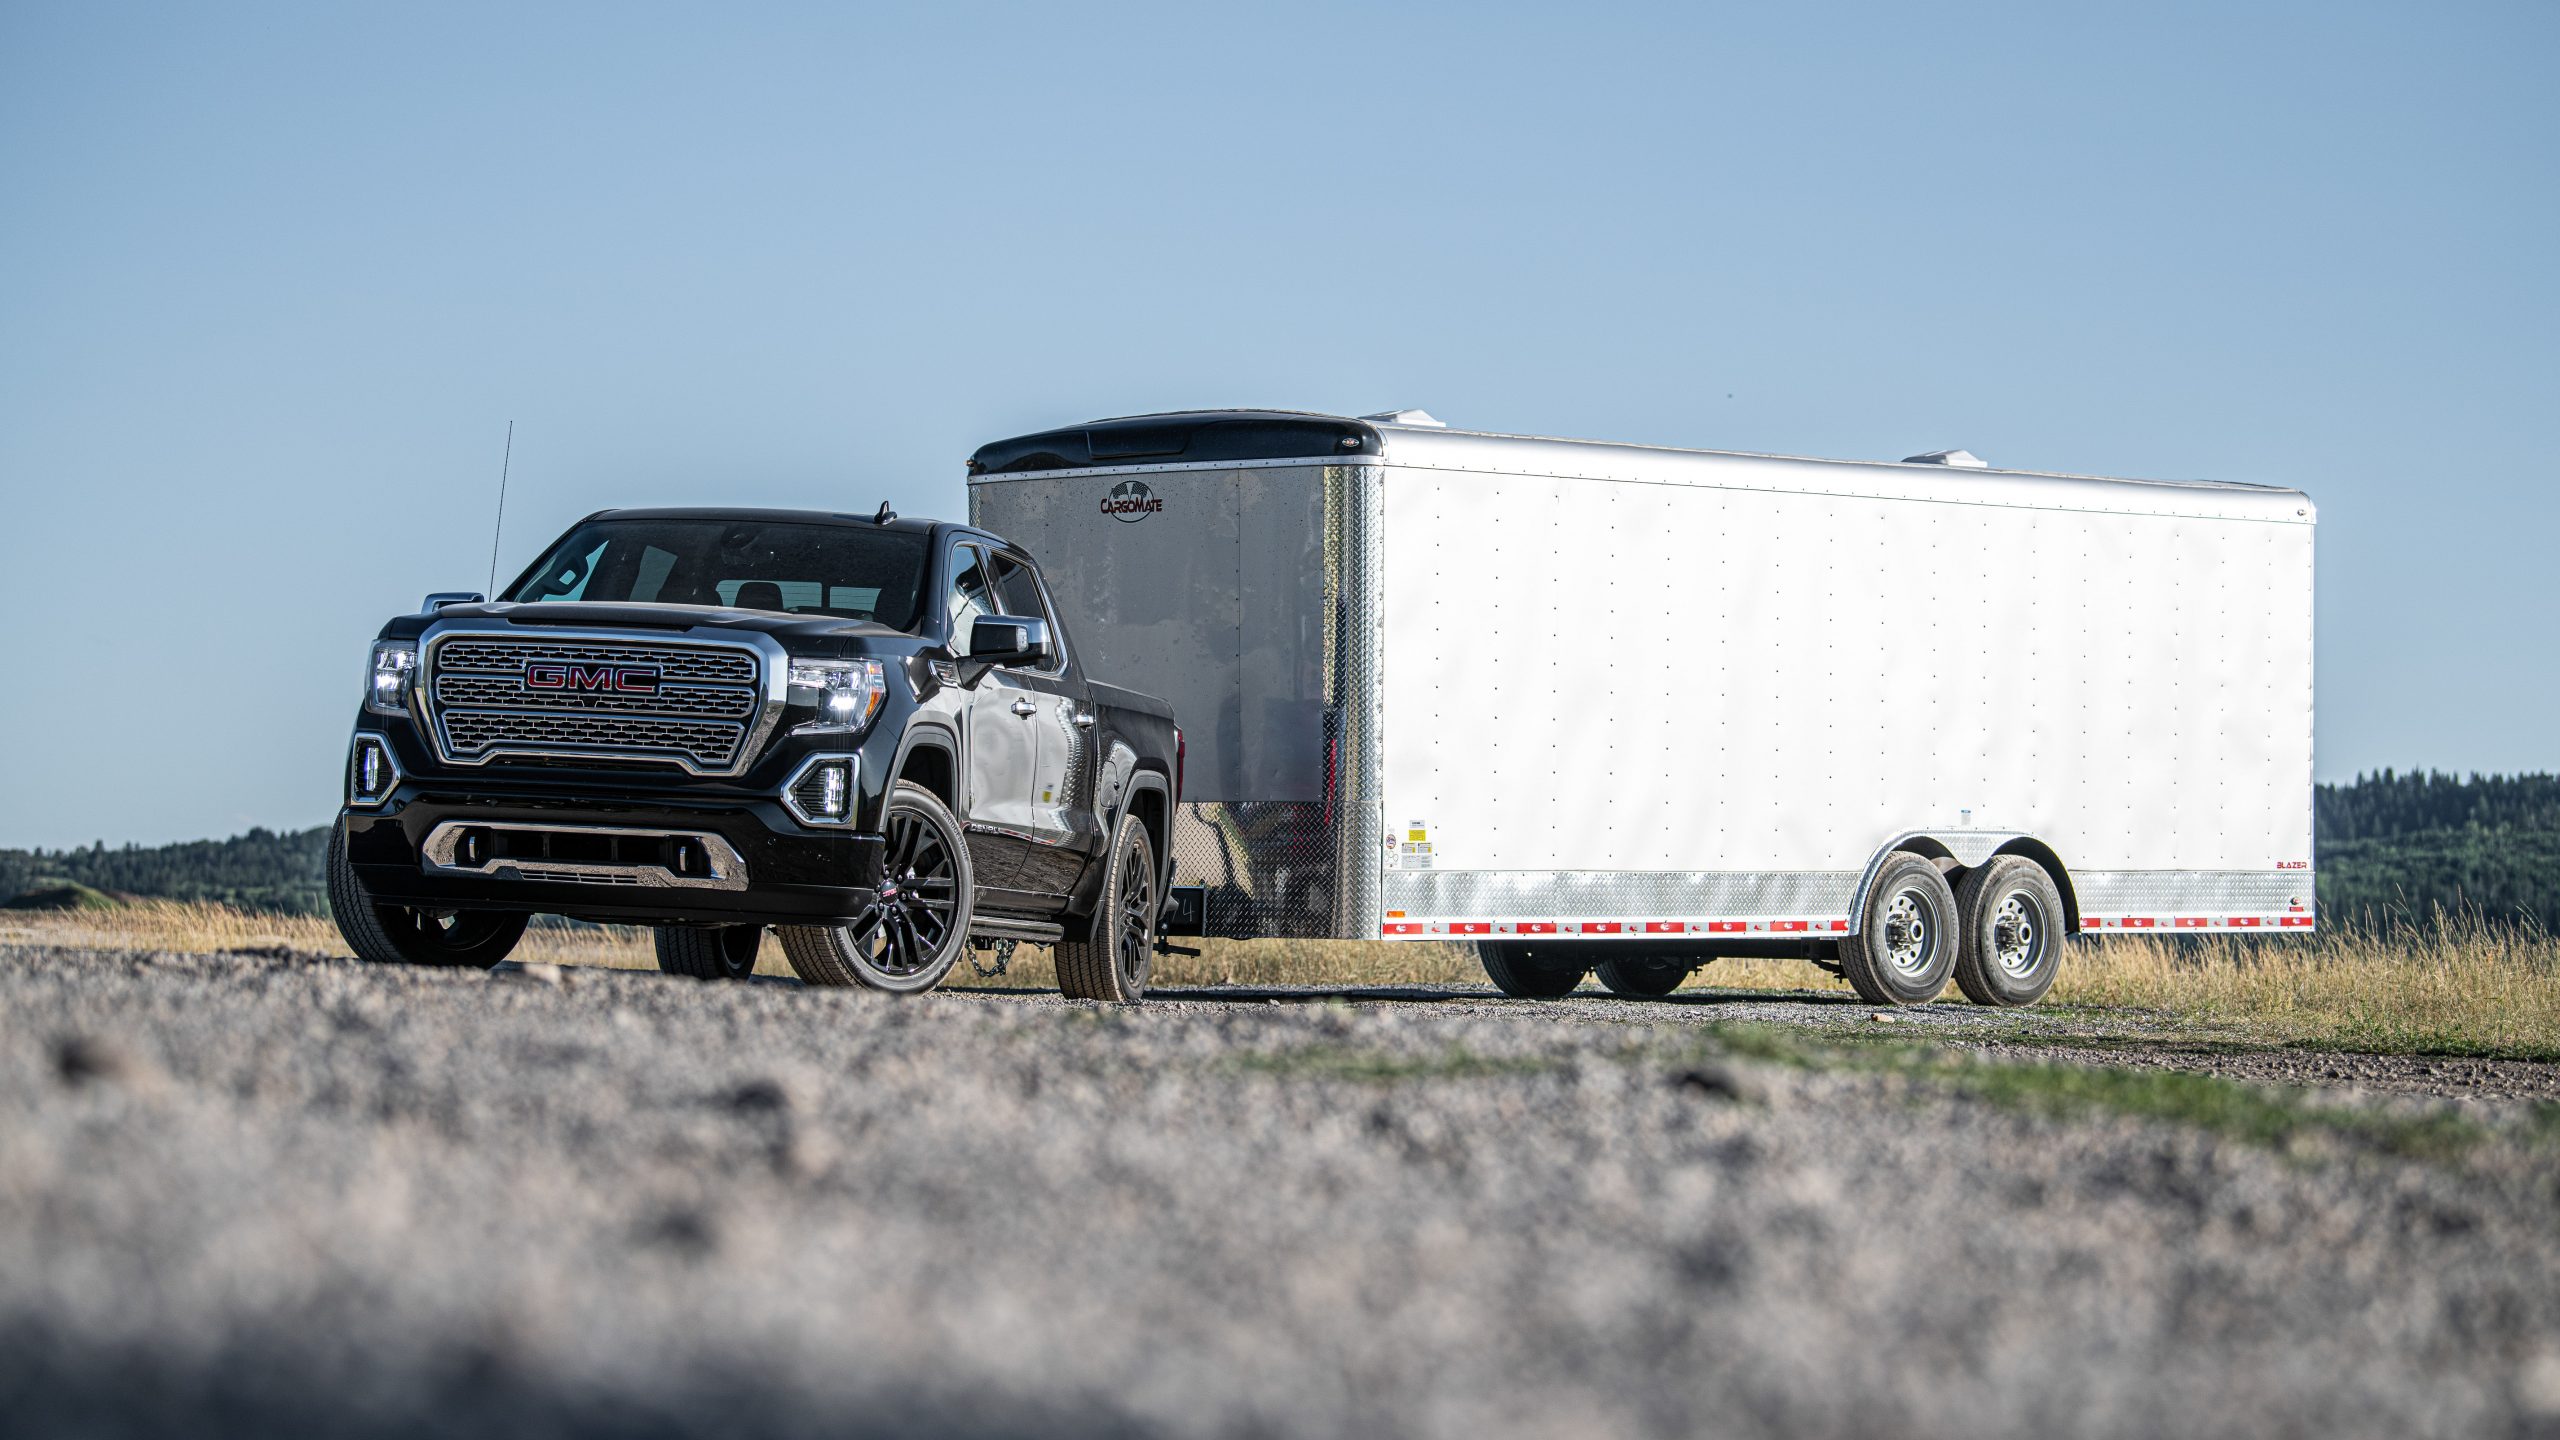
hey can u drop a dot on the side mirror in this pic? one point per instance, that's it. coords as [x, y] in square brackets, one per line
[442, 598]
[1010, 640]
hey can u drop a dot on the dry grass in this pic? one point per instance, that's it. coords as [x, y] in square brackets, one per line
[2453, 984]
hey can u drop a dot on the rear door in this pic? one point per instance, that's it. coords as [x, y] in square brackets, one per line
[1060, 831]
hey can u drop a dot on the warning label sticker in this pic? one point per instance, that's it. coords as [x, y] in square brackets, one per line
[1411, 849]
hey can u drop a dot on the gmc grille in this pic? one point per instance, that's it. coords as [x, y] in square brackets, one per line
[500, 699]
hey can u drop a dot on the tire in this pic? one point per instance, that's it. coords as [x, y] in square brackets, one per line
[905, 940]
[2014, 928]
[1519, 969]
[1113, 961]
[709, 952]
[1908, 936]
[397, 935]
[1641, 979]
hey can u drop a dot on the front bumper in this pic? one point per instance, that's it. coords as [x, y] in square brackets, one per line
[761, 865]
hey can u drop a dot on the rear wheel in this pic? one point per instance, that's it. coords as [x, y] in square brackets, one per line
[398, 935]
[709, 952]
[1908, 936]
[1527, 971]
[905, 940]
[1114, 961]
[2013, 932]
[1641, 979]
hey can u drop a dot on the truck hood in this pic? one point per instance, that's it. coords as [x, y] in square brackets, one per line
[794, 631]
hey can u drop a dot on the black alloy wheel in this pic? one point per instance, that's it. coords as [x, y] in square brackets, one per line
[1116, 963]
[917, 922]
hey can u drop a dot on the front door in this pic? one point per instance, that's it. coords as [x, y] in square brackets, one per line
[1003, 753]
[1059, 831]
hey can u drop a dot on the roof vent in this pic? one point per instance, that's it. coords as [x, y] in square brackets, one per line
[1407, 417]
[1961, 459]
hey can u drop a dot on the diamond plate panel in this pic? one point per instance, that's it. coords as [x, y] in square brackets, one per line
[2165, 892]
[1308, 869]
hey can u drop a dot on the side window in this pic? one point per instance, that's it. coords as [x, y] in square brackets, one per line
[1016, 588]
[1019, 589]
[971, 593]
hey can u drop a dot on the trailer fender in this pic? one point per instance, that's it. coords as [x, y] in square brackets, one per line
[1956, 851]
[2043, 855]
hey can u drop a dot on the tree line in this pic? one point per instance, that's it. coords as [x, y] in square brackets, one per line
[2390, 844]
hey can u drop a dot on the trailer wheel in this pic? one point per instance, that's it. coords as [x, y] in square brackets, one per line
[1908, 936]
[1113, 962]
[1641, 979]
[709, 952]
[397, 935]
[2013, 932]
[1521, 972]
[919, 923]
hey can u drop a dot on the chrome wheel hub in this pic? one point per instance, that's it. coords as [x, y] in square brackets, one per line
[1908, 940]
[2017, 935]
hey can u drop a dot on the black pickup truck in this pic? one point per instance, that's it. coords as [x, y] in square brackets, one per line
[867, 733]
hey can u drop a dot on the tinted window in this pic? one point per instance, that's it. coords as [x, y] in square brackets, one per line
[851, 572]
[972, 594]
[1017, 590]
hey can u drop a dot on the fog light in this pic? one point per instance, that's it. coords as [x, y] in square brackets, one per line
[371, 774]
[821, 791]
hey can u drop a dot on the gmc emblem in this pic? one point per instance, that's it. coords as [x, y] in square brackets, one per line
[629, 679]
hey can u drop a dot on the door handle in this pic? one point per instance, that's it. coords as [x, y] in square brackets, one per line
[1084, 719]
[1025, 707]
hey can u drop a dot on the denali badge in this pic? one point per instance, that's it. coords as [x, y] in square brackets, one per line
[552, 675]
[1131, 501]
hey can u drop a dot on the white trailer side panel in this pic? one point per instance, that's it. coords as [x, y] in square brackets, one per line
[1704, 691]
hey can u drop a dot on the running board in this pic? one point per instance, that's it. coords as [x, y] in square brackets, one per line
[1030, 932]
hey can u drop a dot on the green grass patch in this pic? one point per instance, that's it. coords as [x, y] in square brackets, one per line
[2277, 1119]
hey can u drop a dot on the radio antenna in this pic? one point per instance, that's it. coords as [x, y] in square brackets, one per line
[504, 462]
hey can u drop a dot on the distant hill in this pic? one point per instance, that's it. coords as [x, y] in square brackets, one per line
[2402, 845]
[2390, 845]
[261, 870]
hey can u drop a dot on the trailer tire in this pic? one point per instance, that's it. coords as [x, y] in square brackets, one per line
[1908, 936]
[1517, 970]
[1114, 960]
[2013, 932]
[917, 931]
[397, 935]
[1641, 979]
[709, 952]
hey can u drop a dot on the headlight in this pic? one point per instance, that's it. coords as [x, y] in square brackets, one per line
[845, 693]
[395, 663]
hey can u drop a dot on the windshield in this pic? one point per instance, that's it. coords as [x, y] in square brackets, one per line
[847, 571]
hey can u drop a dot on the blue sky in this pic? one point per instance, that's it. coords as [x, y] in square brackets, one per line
[273, 280]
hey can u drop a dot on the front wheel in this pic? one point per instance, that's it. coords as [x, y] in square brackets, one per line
[397, 935]
[709, 952]
[2012, 932]
[905, 940]
[1113, 963]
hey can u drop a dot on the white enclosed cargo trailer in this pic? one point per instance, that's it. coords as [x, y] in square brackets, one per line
[1557, 696]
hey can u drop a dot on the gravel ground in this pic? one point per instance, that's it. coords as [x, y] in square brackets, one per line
[253, 1195]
